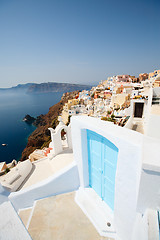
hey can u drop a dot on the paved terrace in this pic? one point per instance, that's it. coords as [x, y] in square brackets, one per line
[45, 168]
[59, 218]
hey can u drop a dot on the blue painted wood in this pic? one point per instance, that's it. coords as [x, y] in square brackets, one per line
[102, 161]
[110, 155]
[95, 168]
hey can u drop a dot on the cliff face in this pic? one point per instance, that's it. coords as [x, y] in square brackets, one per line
[55, 87]
[33, 88]
[41, 136]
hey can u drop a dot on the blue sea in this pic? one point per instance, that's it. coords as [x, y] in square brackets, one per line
[13, 131]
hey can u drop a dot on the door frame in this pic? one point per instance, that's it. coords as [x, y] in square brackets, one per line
[104, 142]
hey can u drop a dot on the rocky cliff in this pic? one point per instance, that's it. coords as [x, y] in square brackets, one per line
[55, 87]
[33, 88]
[41, 136]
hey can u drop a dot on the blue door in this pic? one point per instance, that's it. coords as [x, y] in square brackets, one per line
[102, 157]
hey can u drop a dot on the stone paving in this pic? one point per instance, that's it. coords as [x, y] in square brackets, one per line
[60, 218]
[46, 168]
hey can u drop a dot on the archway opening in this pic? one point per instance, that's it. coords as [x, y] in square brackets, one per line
[64, 139]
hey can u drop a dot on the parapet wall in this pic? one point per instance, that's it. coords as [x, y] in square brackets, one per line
[54, 185]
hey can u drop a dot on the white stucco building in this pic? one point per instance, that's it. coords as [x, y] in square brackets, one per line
[116, 163]
[116, 176]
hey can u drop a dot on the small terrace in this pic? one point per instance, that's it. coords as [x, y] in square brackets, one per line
[59, 217]
[44, 168]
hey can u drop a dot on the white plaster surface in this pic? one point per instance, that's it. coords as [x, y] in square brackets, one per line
[3, 194]
[153, 225]
[56, 143]
[61, 160]
[45, 168]
[156, 92]
[129, 166]
[66, 180]
[155, 109]
[153, 127]
[144, 125]
[147, 109]
[41, 170]
[88, 200]
[140, 227]
[129, 123]
[137, 178]
[11, 227]
[151, 157]
[13, 179]
[149, 189]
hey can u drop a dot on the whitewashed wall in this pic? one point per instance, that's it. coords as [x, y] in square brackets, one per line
[56, 141]
[61, 182]
[129, 123]
[153, 126]
[149, 191]
[147, 112]
[3, 194]
[129, 163]
[11, 227]
[156, 92]
[128, 220]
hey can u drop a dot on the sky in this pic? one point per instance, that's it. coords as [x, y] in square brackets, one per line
[77, 41]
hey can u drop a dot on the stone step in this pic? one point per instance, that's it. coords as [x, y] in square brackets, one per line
[24, 214]
[97, 211]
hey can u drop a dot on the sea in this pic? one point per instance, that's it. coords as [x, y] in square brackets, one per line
[14, 132]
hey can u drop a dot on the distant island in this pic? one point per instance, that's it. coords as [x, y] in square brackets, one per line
[47, 87]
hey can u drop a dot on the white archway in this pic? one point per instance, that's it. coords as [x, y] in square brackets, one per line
[57, 143]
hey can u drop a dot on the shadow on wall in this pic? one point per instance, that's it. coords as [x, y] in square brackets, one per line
[3, 194]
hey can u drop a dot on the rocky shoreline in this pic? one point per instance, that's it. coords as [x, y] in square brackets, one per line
[28, 119]
[41, 136]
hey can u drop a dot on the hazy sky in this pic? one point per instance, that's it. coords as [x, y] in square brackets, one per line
[78, 41]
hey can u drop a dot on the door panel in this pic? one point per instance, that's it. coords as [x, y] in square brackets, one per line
[94, 144]
[102, 157]
[138, 111]
[110, 166]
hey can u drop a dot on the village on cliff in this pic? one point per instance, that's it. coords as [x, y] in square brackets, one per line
[102, 165]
